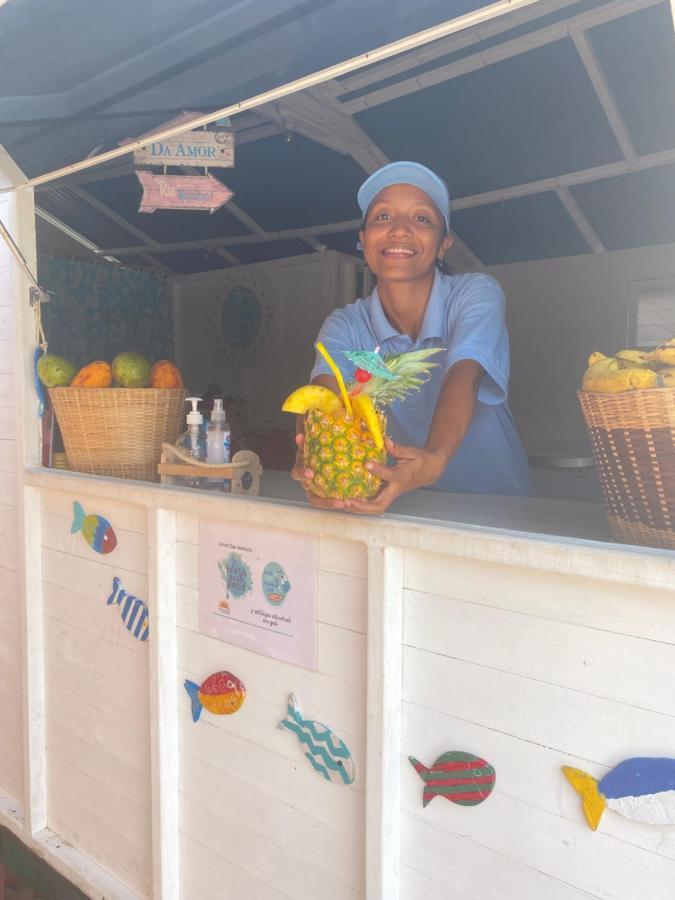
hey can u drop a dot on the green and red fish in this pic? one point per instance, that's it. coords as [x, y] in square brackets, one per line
[96, 530]
[460, 777]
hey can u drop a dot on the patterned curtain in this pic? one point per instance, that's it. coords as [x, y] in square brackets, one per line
[98, 311]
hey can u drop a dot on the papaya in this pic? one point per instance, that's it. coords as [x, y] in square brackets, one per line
[55, 371]
[131, 370]
[165, 374]
[97, 374]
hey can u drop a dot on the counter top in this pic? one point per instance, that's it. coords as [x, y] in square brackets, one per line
[525, 515]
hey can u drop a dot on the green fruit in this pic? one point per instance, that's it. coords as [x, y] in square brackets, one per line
[131, 370]
[55, 371]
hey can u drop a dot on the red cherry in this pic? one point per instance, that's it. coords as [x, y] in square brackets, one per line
[362, 376]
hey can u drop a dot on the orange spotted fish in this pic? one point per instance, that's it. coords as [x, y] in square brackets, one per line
[222, 694]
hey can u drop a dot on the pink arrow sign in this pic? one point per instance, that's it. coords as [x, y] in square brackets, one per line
[182, 192]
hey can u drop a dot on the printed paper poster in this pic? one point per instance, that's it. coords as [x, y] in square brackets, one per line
[257, 589]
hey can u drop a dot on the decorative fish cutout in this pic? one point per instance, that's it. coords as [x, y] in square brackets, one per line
[133, 611]
[459, 777]
[325, 751]
[96, 530]
[370, 361]
[642, 789]
[222, 694]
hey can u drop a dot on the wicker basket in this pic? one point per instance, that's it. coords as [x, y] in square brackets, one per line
[633, 440]
[118, 431]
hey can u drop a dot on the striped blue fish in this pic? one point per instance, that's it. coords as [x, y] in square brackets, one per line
[133, 611]
[325, 751]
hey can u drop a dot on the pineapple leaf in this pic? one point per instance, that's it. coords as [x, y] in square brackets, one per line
[410, 371]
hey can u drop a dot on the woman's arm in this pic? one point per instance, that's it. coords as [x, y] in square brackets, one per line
[415, 468]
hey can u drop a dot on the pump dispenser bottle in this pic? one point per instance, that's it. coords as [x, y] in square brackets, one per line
[218, 443]
[193, 440]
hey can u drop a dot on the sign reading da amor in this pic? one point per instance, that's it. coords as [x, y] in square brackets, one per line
[195, 148]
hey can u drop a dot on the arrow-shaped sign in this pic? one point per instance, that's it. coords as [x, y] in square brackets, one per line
[182, 192]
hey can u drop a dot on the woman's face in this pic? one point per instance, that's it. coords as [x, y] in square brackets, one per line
[403, 234]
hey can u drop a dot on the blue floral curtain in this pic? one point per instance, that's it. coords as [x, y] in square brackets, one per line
[100, 310]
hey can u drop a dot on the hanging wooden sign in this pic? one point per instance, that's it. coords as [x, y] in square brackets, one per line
[194, 148]
[182, 192]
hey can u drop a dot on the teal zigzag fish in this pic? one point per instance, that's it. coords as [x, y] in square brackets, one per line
[325, 751]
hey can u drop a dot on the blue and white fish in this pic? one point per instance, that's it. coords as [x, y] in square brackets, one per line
[325, 751]
[96, 530]
[642, 789]
[133, 611]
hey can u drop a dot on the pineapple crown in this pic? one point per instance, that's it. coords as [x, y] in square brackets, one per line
[392, 377]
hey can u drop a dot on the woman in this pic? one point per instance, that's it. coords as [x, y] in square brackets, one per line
[457, 432]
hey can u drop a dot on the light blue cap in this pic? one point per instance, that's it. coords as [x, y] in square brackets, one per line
[405, 172]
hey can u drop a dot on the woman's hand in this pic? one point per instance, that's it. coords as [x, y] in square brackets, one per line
[413, 468]
[301, 473]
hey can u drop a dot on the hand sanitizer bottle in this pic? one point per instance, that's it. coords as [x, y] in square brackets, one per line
[193, 440]
[215, 449]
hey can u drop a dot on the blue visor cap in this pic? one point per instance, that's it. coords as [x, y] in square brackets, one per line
[406, 173]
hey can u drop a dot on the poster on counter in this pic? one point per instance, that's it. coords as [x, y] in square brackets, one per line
[257, 589]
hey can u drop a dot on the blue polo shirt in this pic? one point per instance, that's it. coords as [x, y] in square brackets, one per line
[465, 316]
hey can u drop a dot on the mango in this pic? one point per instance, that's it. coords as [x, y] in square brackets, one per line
[97, 374]
[131, 370]
[55, 371]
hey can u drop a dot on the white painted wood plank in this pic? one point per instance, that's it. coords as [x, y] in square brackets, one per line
[163, 703]
[343, 557]
[130, 553]
[563, 598]
[8, 424]
[11, 758]
[8, 456]
[268, 862]
[469, 870]
[9, 520]
[9, 553]
[334, 852]
[89, 615]
[115, 775]
[288, 778]
[126, 517]
[6, 352]
[206, 876]
[415, 886]
[6, 323]
[10, 647]
[527, 772]
[9, 587]
[103, 829]
[10, 613]
[603, 664]
[385, 633]
[119, 695]
[7, 390]
[102, 728]
[600, 730]
[29, 555]
[73, 573]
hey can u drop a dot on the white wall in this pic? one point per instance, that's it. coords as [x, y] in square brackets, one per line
[559, 311]
[306, 288]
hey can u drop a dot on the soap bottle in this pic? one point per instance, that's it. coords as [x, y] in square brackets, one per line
[215, 449]
[193, 440]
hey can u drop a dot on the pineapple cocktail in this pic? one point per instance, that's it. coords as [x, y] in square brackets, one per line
[343, 432]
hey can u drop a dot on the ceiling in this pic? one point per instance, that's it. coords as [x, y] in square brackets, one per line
[554, 125]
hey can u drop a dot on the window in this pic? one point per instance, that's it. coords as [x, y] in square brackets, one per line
[651, 313]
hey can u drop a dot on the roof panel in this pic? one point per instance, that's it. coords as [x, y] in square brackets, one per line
[88, 222]
[253, 253]
[529, 117]
[294, 184]
[188, 262]
[637, 55]
[635, 210]
[534, 227]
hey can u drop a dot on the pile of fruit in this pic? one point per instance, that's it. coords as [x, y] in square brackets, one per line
[631, 370]
[128, 370]
[343, 432]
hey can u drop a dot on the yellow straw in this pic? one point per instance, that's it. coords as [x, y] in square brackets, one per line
[338, 375]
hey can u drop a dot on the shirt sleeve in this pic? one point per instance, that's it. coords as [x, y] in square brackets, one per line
[478, 331]
[336, 335]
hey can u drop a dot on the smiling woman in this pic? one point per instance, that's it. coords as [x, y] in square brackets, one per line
[457, 433]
